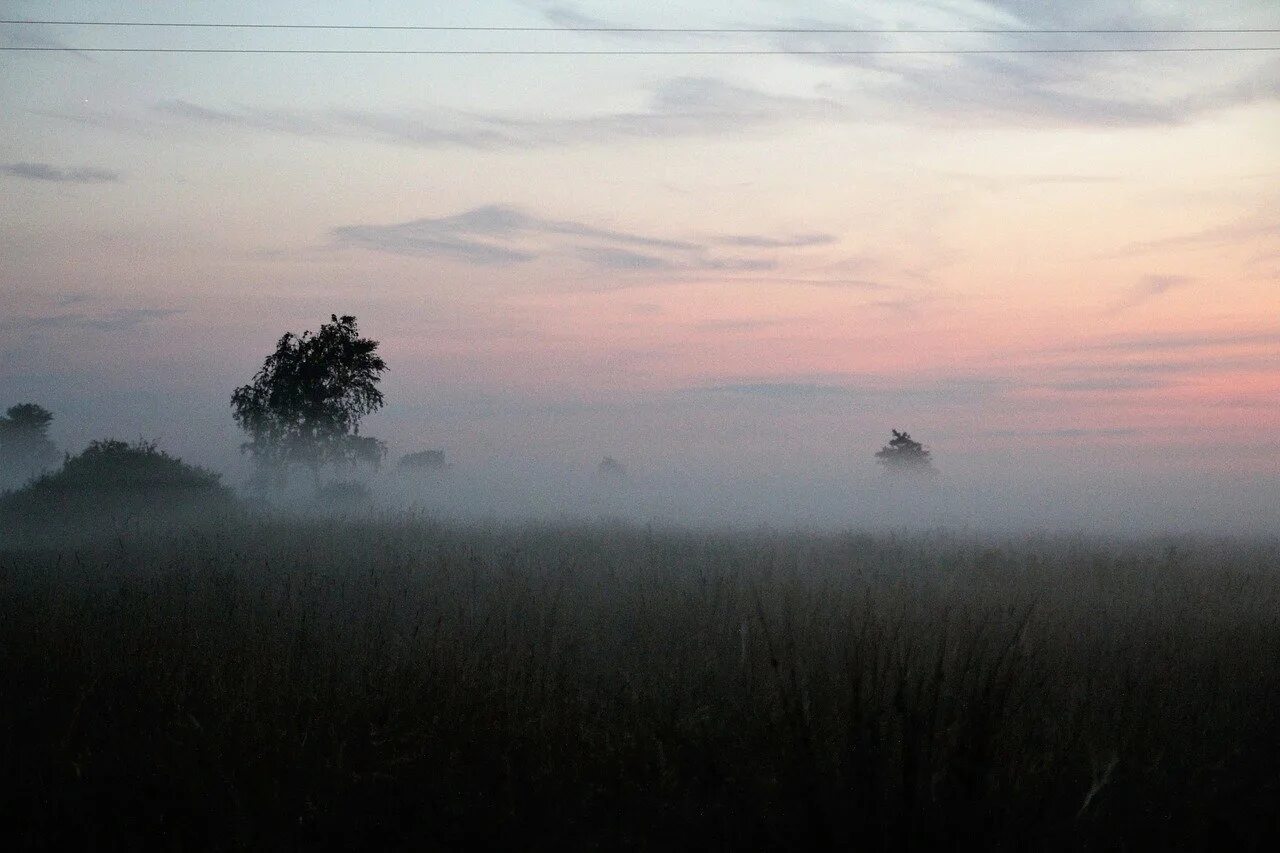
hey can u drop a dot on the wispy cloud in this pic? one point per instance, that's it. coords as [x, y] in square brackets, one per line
[1242, 231]
[1031, 90]
[681, 107]
[1123, 374]
[762, 241]
[1155, 286]
[1018, 91]
[1163, 343]
[564, 15]
[1105, 383]
[54, 174]
[1126, 367]
[1036, 89]
[1118, 371]
[497, 234]
[748, 325]
[112, 321]
[899, 389]
[1002, 183]
[742, 274]
[775, 390]
[31, 37]
[1065, 432]
[621, 259]
[436, 129]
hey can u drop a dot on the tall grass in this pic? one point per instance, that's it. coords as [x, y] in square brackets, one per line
[400, 684]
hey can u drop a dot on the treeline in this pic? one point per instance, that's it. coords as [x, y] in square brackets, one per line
[302, 410]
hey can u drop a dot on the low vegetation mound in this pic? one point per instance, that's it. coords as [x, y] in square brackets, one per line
[424, 461]
[115, 480]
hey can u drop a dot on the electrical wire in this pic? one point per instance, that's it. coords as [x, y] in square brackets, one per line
[557, 52]
[674, 30]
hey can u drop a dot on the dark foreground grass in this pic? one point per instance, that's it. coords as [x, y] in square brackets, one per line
[402, 685]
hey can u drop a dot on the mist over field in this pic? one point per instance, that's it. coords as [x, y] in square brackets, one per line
[547, 469]
[1100, 505]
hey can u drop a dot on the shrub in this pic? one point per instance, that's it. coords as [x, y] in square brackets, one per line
[114, 481]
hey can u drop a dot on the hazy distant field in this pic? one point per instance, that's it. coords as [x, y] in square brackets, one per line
[398, 684]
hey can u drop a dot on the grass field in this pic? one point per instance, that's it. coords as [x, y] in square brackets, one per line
[394, 683]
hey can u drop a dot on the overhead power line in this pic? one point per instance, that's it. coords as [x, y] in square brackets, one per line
[448, 52]
[690, 30]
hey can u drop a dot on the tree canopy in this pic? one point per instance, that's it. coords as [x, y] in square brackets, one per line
[25, 448]
[27, 417]
[305, 404]
[904, 454]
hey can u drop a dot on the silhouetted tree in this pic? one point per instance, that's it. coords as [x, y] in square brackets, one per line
[25, 448]
[304, 406]
[904, 454]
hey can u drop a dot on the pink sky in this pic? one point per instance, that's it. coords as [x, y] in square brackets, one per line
[660, 257]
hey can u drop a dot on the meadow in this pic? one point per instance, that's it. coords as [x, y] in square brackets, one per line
[394, 682]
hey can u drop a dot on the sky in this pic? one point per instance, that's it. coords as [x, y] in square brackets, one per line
[755, 264]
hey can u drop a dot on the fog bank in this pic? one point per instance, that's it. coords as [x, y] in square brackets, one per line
[875, 500]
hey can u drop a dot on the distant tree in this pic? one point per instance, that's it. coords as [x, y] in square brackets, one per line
[304, 406]
[611, 469]
[28, 417]
[904, 454]
[425, 461]
[363, 449]
[25, 448]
